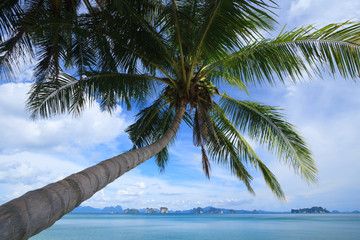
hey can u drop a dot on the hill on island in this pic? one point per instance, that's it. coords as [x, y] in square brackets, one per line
[310, 210]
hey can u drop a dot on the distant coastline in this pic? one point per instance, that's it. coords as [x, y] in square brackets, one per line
[199, 210]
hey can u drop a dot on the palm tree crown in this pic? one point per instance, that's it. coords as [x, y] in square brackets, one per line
[182, 52]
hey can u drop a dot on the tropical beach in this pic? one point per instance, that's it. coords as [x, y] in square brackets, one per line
[165, 106]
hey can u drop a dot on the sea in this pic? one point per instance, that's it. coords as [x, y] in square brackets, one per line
[204, 226]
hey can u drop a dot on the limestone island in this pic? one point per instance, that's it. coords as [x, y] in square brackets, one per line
[310, 210]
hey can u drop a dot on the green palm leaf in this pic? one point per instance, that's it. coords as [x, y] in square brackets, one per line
[18, 46]
[229, 24]
[151, 123]
[308, 50]
[162, 158]
[266, 125]
[10, 12]
[335, 46]
[233, 147]
[257, 63]
[68, 94]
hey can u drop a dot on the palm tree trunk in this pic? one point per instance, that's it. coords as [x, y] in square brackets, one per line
[37, 210]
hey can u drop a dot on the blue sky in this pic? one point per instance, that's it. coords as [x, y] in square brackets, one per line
[326, 112]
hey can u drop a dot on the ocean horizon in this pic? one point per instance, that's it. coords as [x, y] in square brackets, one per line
[78, 226]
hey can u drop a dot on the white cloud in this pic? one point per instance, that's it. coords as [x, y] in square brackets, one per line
[299, 6]
[26, 171]
[60, 133]
[322, 12]
[31, 168]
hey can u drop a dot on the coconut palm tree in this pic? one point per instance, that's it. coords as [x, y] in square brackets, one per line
[179, 55]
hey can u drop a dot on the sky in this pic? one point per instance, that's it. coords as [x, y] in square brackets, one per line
[325, 111]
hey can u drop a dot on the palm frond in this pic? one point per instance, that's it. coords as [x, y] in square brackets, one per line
[126, 45]
[201, 128]
[205, 162]
[80, 52]
[257, 63]
[68, 94]
[333, 48]
[220, 77]
[44, 26]
[229, 24]
[16, 47]
[10, 13]
[266, 125]
[230, 153]
[271, 180]
[151, 122]
[235, 152]
[162, 158]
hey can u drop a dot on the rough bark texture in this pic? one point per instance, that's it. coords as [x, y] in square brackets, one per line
[37, 210]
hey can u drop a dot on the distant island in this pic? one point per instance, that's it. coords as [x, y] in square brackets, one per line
[310, 210]
[199, 210]
[133, 211]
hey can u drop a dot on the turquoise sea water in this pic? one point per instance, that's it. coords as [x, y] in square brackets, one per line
[224, 227]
